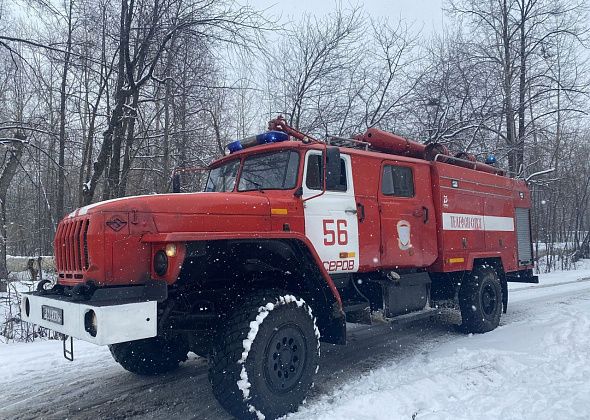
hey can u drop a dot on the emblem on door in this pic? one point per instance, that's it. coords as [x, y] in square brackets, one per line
[403, 235]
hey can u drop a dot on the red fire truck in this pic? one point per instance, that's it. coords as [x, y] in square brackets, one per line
[291, 239]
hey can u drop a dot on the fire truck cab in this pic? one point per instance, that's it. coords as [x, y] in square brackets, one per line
[291, 239]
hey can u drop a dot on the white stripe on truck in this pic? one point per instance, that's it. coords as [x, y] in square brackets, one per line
[460, 221]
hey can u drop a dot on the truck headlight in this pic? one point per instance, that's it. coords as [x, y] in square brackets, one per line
[171, 250]
[160, 263]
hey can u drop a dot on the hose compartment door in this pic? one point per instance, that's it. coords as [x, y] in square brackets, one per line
[523, 235]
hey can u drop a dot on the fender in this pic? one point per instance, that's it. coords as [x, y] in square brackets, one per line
[207, 236]
[472, 256]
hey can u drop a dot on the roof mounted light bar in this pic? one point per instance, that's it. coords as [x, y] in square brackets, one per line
[264, 138]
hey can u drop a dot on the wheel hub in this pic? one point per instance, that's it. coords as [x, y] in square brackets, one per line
[285, 359]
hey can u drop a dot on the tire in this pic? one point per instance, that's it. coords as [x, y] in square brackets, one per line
[480, 300]
[265, 356]
[151, 356]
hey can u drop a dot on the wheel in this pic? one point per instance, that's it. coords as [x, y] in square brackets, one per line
[480, 299]
[151, 356]
[265, 356]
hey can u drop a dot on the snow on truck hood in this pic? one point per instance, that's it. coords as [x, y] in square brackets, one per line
[184, 203]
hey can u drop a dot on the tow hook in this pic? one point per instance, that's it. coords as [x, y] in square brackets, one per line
[41, 286]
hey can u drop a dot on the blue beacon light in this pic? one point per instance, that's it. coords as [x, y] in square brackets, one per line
[264, 138]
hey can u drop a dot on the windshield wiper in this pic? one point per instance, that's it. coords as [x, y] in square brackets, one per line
[258, 187]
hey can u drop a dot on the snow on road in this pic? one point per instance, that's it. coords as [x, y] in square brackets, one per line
[536, 365]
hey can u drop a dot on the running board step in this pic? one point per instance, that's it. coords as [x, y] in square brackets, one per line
[354, 307]
[411, 317]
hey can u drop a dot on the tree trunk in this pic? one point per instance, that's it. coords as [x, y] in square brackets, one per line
[5, 179]
[61, 177]
[507, 87]
[114, 128]
[522, 88]
[128, 146]
[114, 172]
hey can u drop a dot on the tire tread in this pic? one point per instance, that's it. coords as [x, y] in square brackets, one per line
[228, 348]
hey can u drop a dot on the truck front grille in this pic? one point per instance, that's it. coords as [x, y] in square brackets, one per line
[71, 248]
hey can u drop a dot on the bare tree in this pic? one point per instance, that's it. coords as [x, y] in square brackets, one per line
[310, 64]
[140, 52]
[9, 168]
[511, 36]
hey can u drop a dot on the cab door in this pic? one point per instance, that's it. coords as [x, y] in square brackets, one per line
[331, 218]
[407, 219]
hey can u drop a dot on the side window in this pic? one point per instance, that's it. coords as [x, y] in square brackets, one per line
[315, 174]
[343, 184]
[397, 181]
[313, 179]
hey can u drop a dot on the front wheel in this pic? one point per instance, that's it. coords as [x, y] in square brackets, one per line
[480, 299]
[265, 357]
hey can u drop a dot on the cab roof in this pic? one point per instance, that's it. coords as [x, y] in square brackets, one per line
[297, 145]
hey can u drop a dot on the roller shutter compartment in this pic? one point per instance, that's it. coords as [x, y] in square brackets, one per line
[523, 234]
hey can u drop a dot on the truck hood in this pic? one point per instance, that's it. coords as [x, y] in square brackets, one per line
[210, 203]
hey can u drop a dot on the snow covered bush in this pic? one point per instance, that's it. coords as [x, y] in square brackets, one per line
[562, 256]
[12, 328]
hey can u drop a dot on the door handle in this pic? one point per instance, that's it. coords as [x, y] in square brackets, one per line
[422, 212]
[361, 211]
[350, 211]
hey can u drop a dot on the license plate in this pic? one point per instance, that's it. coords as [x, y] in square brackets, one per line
[51, 314]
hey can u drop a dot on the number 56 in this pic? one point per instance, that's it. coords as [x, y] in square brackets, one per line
[331, 235]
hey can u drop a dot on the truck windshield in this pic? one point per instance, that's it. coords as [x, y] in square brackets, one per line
[272, 171]
[223, 178]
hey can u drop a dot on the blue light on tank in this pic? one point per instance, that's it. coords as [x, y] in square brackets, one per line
[491, 159]
[264, 138]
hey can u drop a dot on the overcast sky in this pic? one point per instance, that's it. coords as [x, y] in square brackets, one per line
[425, 14]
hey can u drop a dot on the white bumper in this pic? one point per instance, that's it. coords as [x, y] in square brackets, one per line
[114, 323]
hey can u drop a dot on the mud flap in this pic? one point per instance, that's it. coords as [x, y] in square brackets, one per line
[522, 276]
[504, 295]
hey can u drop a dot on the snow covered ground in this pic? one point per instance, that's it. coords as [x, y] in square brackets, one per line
[536, 365]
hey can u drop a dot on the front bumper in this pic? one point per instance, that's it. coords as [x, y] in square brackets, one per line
[114, 323]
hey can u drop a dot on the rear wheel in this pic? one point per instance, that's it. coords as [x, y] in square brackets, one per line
[480, 299]
[151, 356]
[265, 357]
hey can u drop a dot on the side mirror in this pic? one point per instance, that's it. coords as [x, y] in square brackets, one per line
[176, 183]
[332, 168]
